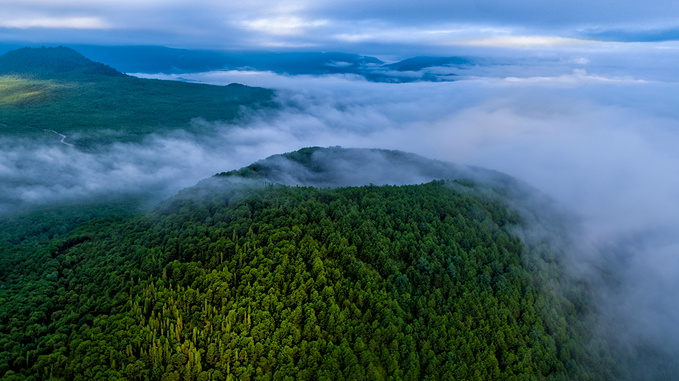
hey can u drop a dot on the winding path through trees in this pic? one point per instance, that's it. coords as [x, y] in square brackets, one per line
[63, 137]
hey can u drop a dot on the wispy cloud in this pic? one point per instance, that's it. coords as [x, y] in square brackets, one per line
[55, 22]
[283, 26]
[353, 25]
[522, 42]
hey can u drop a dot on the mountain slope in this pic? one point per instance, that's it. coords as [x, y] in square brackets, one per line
[51, 63]
[236, 279]
[56, 89]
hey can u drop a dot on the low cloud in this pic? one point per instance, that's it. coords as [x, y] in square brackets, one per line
[601, 142]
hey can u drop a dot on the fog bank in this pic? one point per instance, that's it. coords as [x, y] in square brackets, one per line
[593, 132]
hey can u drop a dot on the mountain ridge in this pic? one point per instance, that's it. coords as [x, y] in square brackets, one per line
[165, 60]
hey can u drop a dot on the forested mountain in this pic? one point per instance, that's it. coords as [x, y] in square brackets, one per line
[51, 63]
[57, 89]
[160, 59]
[242, 278]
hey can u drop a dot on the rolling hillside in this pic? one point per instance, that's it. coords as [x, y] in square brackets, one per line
[57, 89]
[242, 278]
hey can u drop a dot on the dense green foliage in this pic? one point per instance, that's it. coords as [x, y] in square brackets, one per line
[410, 282]
[57, 89]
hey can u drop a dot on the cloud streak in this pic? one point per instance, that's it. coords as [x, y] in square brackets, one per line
[55, 22]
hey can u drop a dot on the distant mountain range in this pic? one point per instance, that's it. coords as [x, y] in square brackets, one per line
[158, 59]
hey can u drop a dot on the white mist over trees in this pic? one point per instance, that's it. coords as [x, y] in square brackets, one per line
[597, 135]
[577, 99]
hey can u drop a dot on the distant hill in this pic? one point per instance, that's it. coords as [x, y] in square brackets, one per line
[51, 63]
[419, 63]
[58, 89]
[159, 59]
[313, 63]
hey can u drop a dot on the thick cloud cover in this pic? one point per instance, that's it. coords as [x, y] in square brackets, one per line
[346, 25]
[590, 130]
[585, 112]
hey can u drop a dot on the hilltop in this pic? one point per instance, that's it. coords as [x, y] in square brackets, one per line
[240, 278]
[338, 166]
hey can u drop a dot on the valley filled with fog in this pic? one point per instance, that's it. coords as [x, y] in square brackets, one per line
[594, 132]
[156, 154]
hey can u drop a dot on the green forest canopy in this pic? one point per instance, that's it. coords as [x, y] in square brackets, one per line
[376, 282]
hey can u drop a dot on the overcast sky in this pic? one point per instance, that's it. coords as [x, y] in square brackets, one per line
[428, 26]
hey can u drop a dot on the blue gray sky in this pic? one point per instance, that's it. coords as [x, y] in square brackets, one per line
[366, 27]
